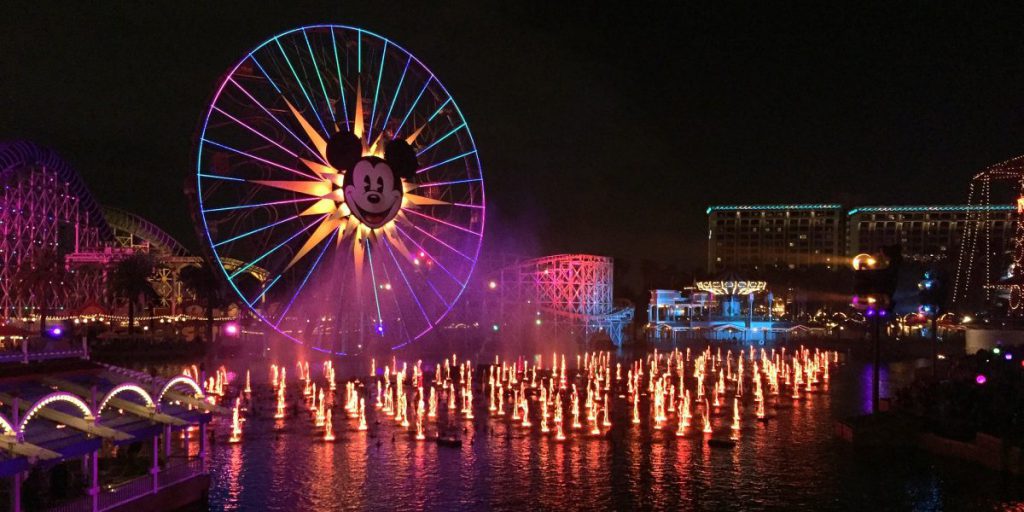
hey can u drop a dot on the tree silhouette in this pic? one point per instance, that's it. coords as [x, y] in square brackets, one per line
[129, 280]
[208, 287]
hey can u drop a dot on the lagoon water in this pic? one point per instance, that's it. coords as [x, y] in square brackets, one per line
[793, 462]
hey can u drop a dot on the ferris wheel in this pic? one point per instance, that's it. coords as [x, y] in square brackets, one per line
[335, 163]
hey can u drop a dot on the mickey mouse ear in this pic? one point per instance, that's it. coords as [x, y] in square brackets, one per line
[401, 158]
[344, 150]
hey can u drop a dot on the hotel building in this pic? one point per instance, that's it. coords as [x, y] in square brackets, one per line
[754, 237]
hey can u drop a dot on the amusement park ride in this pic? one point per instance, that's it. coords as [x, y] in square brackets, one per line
[566, 293]
[338, 189]
[45, 205]
[980, 252]
[335, 160]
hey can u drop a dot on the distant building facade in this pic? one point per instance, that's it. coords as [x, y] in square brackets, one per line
[926, 233]
[756, 237]
[752, 237]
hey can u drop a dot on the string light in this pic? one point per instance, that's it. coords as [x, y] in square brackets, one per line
[980, 216]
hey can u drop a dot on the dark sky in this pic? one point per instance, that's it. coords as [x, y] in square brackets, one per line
[600, 130]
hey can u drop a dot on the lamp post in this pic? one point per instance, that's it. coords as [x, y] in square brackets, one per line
[874, 284]
[876, 314]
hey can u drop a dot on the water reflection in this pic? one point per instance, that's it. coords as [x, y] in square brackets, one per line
[790, 461]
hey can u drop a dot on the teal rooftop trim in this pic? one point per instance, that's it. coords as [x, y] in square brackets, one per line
[933, 208]
[775, 207]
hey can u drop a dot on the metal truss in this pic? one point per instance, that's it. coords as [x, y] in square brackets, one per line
[573, 290]
[130, 230]
[979, 265]
[43, 205]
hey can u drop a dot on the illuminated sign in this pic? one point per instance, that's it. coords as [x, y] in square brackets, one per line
[731, 287]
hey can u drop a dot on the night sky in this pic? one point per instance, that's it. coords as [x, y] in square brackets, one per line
[600, 130]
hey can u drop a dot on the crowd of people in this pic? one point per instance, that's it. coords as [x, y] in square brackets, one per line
[983, 392]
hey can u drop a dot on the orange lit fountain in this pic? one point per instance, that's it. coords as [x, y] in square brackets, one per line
[236, 424]
[328, 428]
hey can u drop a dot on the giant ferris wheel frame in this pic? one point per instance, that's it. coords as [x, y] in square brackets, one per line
[269, 123]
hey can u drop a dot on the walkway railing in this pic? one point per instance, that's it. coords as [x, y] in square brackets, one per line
[135, 488]
[39, 355]
[179, 473]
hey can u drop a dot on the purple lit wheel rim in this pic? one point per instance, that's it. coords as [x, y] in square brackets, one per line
[300, 265]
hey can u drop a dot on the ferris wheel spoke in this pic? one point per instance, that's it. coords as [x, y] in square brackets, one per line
[376, 297]
[414, 103]
[439, 296]
[412, 138]
[256, 132]
[318, 189]
[341, 81]
[439, 109]
[430, 184]
[249, 265]
[376, 93]
[215, 177]
[394, 97]
[258, 159]
[448, 161]
[265, 290]
[383, 266]
[312, 60]
[264, 71]
[254, 231]
[439, 221]
[406, 280]
[258, 205]
[427, 253]
[438, 240]
[301, 285]
[326, 228]
[318, 142]
[440, 140]
[278, 121]
[298, 82]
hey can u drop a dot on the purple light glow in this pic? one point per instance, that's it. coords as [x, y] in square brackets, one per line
[291, 147]
[980, 379]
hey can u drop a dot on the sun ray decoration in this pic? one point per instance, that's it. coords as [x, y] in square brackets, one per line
[269, 196]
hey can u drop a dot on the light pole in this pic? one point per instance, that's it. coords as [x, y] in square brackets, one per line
[876, 315]
[874, 284]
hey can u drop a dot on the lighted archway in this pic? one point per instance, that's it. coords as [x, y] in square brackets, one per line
[120, 388]
[180, 379]
[59, 396]
[6, 427]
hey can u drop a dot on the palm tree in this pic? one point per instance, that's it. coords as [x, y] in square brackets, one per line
[208, 287]
[37, 278]
[130, 280]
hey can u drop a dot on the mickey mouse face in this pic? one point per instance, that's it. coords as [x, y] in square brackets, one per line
[372, 186]
[375, 194]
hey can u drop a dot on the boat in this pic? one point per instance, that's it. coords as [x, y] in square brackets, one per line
[452, 442]
[721, 443]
